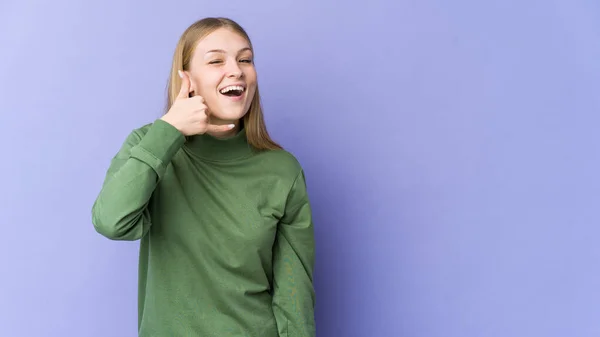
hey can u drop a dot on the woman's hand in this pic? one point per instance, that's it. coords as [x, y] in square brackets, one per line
[189, 115]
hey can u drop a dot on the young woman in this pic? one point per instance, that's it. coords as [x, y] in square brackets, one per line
[221, 210]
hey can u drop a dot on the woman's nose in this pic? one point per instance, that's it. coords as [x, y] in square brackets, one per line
[234, 70]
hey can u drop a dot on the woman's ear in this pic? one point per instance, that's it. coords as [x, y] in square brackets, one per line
[192, 83]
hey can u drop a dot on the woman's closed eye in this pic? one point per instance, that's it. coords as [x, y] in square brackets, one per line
[220, 61]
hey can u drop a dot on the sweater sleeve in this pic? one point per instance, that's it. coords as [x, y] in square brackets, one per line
[293, 263]
[120, 211]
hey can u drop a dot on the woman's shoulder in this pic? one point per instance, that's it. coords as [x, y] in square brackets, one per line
[280, 160]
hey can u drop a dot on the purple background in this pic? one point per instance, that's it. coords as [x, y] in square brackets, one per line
[451, 148]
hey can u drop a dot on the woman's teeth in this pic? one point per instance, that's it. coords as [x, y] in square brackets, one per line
[232, 90]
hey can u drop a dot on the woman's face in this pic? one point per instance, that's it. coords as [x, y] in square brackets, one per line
[222, 72]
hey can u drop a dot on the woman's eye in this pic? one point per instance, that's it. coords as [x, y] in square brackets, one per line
[214, 61]
[246, 61]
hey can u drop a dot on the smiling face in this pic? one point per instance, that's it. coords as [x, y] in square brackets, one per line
[222, 72]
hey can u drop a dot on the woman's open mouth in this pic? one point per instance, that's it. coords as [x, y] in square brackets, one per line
[234, 92]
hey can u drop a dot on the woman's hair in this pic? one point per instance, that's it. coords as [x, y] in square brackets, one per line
[253, 120]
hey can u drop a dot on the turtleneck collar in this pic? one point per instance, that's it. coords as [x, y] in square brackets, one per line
[220, 149]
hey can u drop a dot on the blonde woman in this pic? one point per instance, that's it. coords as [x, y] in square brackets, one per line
[221, 210]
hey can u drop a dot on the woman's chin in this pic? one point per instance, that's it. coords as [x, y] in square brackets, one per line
[227, 116]
[229, 113]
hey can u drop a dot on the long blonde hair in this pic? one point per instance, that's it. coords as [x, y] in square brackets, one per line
[256, 130]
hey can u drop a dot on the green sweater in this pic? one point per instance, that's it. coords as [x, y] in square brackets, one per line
[226, 234]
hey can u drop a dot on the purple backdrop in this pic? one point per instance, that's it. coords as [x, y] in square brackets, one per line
[451, 148]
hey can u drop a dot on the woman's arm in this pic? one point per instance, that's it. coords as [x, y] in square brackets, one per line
[120, 211]
[293, 263]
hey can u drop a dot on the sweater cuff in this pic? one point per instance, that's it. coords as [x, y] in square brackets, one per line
[158, 146]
